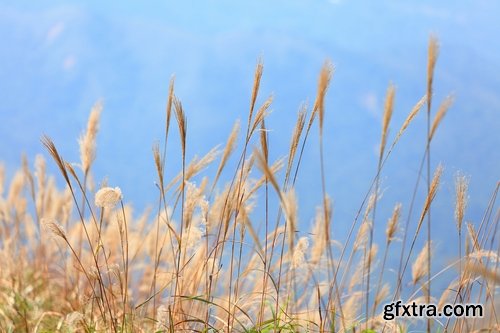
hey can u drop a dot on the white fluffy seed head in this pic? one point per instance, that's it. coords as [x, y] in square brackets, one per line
[108, 197]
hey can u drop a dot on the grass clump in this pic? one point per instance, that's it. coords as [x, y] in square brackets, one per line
[76, 259]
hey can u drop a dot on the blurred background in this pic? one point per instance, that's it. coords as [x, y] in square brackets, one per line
[57, 59]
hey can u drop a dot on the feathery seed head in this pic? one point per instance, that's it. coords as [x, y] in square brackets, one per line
[432, 55]
[389, 106]
[108, 197]
[461, 186]
[323, 82]
[443, 108]
[392, 224]
[87, 141]
[419, 267]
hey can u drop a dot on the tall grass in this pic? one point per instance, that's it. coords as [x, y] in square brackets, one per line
[75, 259]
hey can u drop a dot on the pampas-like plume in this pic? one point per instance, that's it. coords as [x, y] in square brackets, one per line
[2, 179]
[255, 90]
[158, 162]
[389, 106]
[299, 127]
[54, 228]
[351, 308]
[419, 267]
[443, 108]
[228, 150]
[182, 124]
[381, 295]
[371, 203]
[362, 236]
[461, 186]
[477, 268]
[260, 115]
[392, 224]
[474, 238]
[431, 195]
[290, 207]
[263, 140]
[323, 82]
[431, 63]
[262, 164]
[195, 166]
[410, 117]
[51, 147]
[41, 179]
[15, 188]
[319, 241]
[298, 258]
[169, 104]
[87, 141]
[371, 255]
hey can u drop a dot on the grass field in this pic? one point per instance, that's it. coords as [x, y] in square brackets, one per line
[217, 256]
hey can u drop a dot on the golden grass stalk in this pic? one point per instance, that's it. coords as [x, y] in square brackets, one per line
[260, 115]
[362, 236]
[87, 141]
[181, 123]
[15, 189]
[263, 140]
[228, 150]
[168, 111]
[419, 267]
[443, 108]
[432, 55]
[195, 166]
[297, 132]
[290, 208]
[414, 111]
[298, 254]
[473, 237]
[264, 167]
[319, 242]
[392, 223]
[2, 179]
[319, 104]
[381, 295]
[351, 310]
[430, 195]
[432, 58]
[388, 109]
[41, 180]
[461, 187]
[479, 269]
[255, 89]
[51, 148]
[390, 232]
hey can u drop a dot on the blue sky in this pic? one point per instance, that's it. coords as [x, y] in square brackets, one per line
[57, 58]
